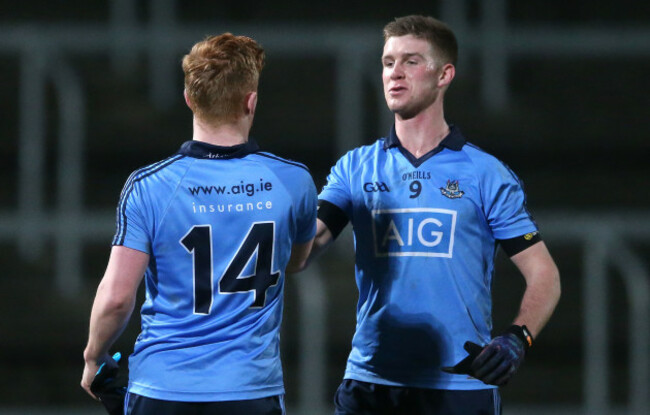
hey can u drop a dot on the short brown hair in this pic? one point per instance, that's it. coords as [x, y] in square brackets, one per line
[438, 34]
[219, 72]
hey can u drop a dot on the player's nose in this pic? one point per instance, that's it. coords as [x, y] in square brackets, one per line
[397, 72]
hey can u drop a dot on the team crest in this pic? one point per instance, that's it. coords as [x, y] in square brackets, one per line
[530, 235]
[451, 190]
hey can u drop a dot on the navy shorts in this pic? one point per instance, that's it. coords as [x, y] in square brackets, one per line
[140, 405]
[361, 398]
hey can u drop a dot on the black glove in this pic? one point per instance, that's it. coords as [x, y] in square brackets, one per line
[497, 362]
[109, 387]
[501, 358]
[464, 367]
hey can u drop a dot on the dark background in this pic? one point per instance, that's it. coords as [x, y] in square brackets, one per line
[575, 130]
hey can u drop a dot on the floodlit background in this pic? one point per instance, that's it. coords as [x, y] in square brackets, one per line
[91, 91]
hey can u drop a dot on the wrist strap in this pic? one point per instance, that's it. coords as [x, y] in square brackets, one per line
[523, 334]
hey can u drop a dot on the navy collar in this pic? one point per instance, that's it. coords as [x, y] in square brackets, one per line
[453, 141]
[201, 150]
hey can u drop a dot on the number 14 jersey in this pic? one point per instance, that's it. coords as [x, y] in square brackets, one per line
[218, 224]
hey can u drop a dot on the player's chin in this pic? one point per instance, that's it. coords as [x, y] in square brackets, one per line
[405, 113]
[396, 107]
[395, 103]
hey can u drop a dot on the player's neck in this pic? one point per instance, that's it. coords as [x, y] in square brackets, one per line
[422, 133]
[226, 135]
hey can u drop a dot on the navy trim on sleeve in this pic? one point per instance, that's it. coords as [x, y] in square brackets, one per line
[515, 245]
[332, 216]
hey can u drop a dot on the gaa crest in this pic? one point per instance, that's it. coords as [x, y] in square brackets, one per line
[451, 190]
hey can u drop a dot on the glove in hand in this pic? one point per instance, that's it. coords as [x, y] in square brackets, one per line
[464, 367]
[109, 387]
[499, 360]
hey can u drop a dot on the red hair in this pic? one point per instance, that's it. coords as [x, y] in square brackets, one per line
[219, 72]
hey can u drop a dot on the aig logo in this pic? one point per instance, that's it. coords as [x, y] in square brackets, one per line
[375, 187]
[414, 232]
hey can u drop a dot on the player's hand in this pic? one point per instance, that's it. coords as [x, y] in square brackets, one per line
[109, 387]
[106, 385]
[499, 360]
[90, 370]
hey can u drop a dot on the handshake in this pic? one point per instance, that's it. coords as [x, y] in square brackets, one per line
[497, 362]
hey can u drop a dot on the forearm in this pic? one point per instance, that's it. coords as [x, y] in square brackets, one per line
[108, 319]
[536, 308]
[541, 295]
[114, 303]
[500, 359]
[322, 240]
[299, 257]
[115, 299]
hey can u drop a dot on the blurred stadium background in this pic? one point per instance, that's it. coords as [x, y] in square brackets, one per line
[559, 91]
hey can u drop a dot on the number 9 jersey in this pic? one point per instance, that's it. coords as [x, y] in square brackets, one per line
[218, 224]
[425, 233]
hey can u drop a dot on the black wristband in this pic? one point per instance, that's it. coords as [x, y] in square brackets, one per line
[523, 334]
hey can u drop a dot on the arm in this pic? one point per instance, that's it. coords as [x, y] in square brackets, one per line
[330, 223]
[113, 306]
[303, 254]
[322, 240]
[299, 255]
[500, 359]
[542, 287]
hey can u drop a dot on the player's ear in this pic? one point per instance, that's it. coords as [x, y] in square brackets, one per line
[250, 103]
[187, 100]
[446, 75]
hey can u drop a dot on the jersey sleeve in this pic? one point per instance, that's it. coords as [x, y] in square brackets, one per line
[306, 211]
[505, 203]
[131, 226]
[337, 189]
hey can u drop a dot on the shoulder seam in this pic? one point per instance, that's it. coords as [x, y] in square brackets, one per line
[136, 176]
[274, 157]
[513, 175]
[504, 164]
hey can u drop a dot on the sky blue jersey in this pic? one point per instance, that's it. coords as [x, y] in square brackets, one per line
[218, 224]
[425, 234]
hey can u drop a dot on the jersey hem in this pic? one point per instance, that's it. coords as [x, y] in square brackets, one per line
[196, 396]
[468, 384]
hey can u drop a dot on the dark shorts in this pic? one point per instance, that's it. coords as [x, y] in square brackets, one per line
[361, 398]
[140, 405]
